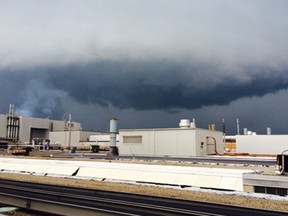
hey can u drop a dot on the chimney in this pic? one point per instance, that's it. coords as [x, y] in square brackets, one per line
[113, 135]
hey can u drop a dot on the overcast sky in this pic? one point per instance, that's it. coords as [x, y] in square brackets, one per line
[149, 63]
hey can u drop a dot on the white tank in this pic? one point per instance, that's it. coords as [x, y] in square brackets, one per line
[184, 123]
[269, 132]
[113, 125]
[245, 131]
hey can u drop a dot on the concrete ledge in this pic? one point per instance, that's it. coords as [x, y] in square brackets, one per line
[265, 180]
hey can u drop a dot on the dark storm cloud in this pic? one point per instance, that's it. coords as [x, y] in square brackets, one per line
[165, 86]
[159, 55]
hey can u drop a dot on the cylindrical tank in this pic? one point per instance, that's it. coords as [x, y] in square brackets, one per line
[245, 130]
[184, 123]
[113, 125]
[269, 132]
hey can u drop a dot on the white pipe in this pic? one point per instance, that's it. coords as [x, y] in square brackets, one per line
[69, 126]
[238, 127]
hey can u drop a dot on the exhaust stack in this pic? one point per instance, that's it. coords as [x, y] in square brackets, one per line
[238, 126]
[269, 131]
[113, 135]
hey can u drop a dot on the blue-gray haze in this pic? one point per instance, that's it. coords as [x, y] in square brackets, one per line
[149, 63]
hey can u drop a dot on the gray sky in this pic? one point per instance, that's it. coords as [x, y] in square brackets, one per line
[147, 62]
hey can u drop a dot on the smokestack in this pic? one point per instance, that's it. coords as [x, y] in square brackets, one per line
[238, 127]
[11, 110]
[113, 135]
[10, 121]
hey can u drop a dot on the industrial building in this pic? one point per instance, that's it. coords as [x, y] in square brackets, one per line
[185, 141]
[22, 130]
[262, 144]
[73, 138]
[102, 139]
[25, 129]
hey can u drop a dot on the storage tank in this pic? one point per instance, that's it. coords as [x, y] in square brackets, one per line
[269, 132]
[212, 127]
[245, 130]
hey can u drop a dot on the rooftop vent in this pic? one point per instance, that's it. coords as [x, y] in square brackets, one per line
[184, 123]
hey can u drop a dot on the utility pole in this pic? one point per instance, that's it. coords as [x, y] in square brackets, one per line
[224, 132]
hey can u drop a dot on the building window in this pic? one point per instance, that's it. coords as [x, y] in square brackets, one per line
[259, 189]
[271, 190]
[132, 139]
[282, 191]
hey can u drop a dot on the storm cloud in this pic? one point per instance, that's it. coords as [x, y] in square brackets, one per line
[142, 56]
[165, 86]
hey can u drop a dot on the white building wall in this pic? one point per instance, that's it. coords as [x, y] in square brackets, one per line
[84, 136]
[208, 143]
[62, 137]
[172, 142]
[27, 124]
[262, 144]
[25, 127]
[144, 148]
[100, 137]
[179, 142]
[3, 126]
